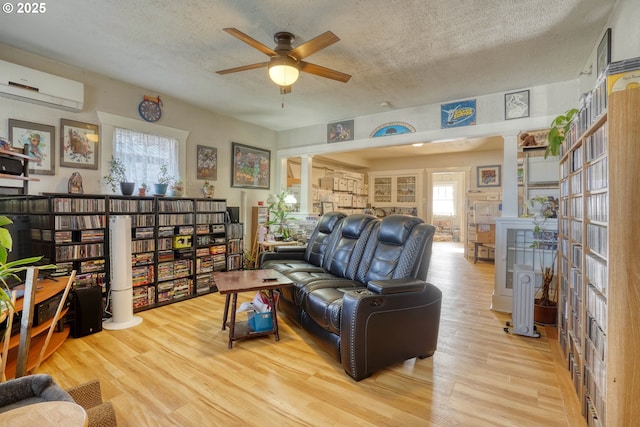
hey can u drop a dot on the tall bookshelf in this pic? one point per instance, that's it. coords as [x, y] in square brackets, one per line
[598, 266]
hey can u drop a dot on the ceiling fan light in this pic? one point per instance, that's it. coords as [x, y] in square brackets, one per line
[283, 71]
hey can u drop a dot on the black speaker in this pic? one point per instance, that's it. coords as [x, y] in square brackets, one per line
[86, 306]
[234, 213]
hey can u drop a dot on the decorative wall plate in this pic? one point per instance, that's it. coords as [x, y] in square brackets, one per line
[393, 128]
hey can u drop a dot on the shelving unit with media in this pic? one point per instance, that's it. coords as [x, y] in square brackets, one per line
[598, 268]
[176, 243]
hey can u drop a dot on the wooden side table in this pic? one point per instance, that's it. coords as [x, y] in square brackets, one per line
[230, 283]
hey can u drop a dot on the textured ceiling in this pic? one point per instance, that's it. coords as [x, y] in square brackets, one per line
[406, 53]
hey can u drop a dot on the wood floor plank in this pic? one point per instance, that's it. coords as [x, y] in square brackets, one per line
[174, 369]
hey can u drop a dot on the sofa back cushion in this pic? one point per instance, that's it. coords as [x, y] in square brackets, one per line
[319, 238]
[346, 248]
[399, 248]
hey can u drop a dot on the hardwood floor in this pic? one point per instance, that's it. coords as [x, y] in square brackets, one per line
[174, 369]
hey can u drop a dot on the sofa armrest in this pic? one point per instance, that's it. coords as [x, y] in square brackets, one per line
[276, 256]
[394, 286]
[291, 249]
[381, 329]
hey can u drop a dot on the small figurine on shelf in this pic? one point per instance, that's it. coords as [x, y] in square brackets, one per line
[207, 190]
[142, 190]
[74, 186]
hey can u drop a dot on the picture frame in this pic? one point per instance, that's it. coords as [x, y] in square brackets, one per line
[327, 207]
[251, 167]
[489, 176]
[603, 56]
[459, 113]
[516, 105]
[340, 131]
[41, 139]
[79, 144]
[207, 162]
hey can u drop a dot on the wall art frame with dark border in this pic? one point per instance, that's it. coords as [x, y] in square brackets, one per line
[250, 167]
[489, 176]
[516, 105]
[79, 144]
[603, 57]
[41, 140]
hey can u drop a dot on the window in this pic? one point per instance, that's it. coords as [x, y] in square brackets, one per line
[444, 199]
[143, 154]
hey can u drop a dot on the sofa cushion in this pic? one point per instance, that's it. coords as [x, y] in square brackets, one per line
[398, 249]
[344, 255]
[320, 237]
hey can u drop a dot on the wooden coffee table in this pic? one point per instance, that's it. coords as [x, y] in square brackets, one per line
[230, 283]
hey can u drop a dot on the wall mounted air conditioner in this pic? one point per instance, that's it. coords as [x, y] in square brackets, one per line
[25, 84]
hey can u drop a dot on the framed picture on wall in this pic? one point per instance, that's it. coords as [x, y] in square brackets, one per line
[340, 131]
[489, 176]
[250, 166]
[603, 57]
[207, 162]
[41, 140]
[78, 144]
[516, 105]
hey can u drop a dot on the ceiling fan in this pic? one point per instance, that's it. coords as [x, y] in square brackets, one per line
[286, 61]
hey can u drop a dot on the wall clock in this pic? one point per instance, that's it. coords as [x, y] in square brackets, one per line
[149, 108]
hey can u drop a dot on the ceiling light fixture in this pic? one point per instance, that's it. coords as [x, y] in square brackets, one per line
[283, 70]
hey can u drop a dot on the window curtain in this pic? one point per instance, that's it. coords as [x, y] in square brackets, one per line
[142, 155]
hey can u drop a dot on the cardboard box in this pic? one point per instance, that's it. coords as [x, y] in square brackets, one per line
[486, 233]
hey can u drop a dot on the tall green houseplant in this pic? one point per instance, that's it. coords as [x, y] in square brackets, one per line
[280, 215]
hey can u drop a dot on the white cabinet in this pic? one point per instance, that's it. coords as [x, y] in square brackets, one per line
[396, 192]
[516, 243]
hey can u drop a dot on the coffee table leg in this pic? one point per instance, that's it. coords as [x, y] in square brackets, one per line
[274, 315]
[232, 325]
[226, 312]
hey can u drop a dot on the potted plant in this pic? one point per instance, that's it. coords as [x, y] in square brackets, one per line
[142, 190]
[280, 216]
[557, 134]
[118, 177]
[164, 179]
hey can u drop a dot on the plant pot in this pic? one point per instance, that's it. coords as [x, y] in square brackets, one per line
[545, 314]
[126, 188]
[142, 192]
[160, 189]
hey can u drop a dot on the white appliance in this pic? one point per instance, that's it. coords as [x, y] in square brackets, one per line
[524, 291]
[37, 87]
[121, 283]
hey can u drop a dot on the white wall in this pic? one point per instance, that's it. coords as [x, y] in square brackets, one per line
[115, 97]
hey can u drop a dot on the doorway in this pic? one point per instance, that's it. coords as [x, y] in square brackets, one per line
[446, 189]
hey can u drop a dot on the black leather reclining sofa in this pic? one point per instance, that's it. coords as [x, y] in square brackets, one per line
[360, 290]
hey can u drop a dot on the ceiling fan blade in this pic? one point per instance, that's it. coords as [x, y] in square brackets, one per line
[312, 46]
[324, 72]
[250, 41]
[243, 68]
